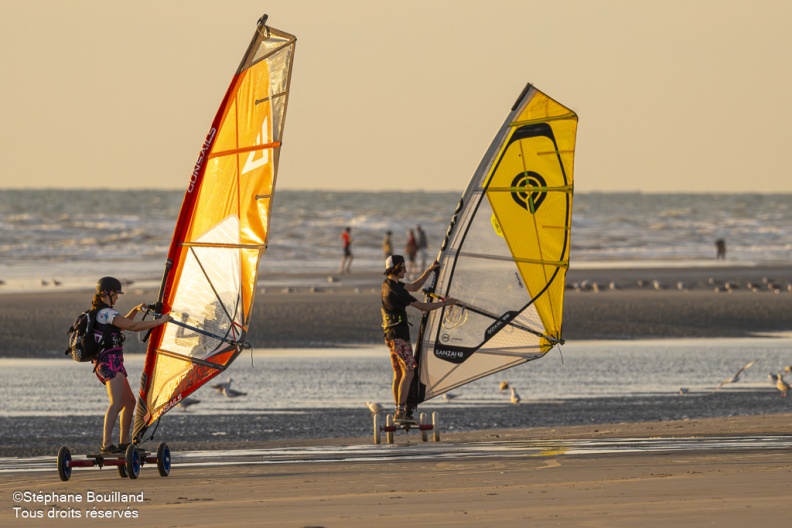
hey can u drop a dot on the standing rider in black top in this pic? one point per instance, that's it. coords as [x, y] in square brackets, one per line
[395, 300]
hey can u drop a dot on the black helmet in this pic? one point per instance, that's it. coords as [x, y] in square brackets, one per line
[108, 284]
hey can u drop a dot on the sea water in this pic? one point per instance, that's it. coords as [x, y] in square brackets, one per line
[290, 380]
[73, 236]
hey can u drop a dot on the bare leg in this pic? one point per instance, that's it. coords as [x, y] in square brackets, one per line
[127, 412]
[397, 376]
[404, 387]
[115, 391]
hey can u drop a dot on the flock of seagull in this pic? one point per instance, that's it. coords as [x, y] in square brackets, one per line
[776, 378]
[766, 285]
[377, 408]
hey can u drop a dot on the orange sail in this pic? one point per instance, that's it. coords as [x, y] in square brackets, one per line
[221, 233]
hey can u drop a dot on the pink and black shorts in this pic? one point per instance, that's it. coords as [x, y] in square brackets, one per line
[109, 365]
[401, 354]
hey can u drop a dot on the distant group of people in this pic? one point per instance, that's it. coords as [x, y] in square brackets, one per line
[415, 247]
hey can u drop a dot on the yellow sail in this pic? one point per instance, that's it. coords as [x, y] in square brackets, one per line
[505, 255]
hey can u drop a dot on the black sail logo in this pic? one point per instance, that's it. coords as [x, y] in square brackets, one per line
[529, 199]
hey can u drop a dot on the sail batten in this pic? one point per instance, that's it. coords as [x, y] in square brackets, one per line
[268, 146]
[221, 232]
[505, 254]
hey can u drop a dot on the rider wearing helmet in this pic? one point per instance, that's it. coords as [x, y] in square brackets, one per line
[109, 364]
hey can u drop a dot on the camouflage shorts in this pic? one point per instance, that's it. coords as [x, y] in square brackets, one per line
[401, 354]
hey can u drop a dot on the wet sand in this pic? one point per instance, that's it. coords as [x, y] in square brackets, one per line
[691, 486]
[307, 311]
[680, 487]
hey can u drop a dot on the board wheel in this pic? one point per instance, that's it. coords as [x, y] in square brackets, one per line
[122, 470]
[163, 459]
[424, 433]
[64, 459]
[389, 424]
[377, 435]
[436, 426]
[132, 461]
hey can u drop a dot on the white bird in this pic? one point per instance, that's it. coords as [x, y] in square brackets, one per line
[374, 407]
[782, 385]
[448, 396]
[186, 402]
[219, 387]
[736, 377]
[231, 393]
[504, 386]
[515, 398]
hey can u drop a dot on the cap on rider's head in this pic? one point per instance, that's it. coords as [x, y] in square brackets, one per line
[108, 284]
[392, 262]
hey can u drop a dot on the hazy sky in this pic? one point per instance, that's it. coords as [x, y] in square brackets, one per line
[672, 96]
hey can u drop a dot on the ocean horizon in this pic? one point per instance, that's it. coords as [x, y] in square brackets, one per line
[72, 236]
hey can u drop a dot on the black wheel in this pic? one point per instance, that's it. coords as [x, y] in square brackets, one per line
[122, 471]
[132, 461]
[64, 461]
[163, 459]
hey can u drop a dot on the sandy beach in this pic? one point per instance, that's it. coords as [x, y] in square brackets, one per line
[704, 472]
[692, 484]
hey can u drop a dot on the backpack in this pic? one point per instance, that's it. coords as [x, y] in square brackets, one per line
[84, 343]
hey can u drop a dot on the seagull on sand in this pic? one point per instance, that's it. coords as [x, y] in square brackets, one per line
[374, 407]
[782, 385]
[186, 402]
[231, 393]
[515, 398]
[736, 377]
[504, 386]
[220, 387]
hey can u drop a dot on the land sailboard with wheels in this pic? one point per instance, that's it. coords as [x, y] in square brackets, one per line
[505, 255]
[221, 234]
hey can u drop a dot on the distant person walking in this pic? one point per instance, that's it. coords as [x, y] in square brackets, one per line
[720, 246]
[420, 238]
[387, 244]
[346, 259]
[412, 250]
